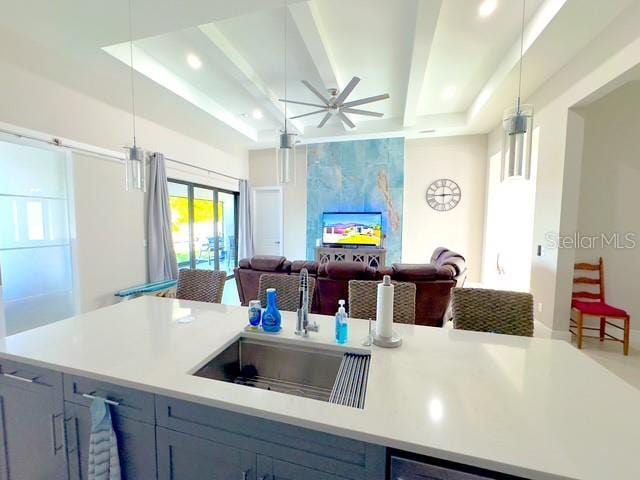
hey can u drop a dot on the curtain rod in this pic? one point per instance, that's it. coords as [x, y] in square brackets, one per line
[56, 142]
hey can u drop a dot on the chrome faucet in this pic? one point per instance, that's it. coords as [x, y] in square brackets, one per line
[303, 326]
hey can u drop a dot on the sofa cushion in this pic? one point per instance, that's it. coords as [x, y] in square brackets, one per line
[346, 271]
[269, 263]
[437, 253]
[298, 265]
[414, 271]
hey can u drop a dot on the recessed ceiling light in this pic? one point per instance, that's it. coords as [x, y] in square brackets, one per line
[449, 92]
[257, 114]
[194, 61]
[487, 7]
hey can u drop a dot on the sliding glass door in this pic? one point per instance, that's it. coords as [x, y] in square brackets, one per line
[36, 274]
[204, 225]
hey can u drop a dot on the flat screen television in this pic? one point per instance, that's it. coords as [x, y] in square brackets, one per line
[352, 229]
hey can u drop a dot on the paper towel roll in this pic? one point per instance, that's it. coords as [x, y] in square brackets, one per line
[384, 309]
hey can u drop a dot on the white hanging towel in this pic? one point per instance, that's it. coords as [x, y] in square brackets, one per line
[104, 462]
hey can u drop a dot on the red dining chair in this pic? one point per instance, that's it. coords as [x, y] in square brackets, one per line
[593, 304]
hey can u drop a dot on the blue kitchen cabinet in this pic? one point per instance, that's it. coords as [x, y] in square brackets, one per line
[190, 435]
[31, 423]
[133, 418]
[275, 469]
[45, 425]
[187, 457]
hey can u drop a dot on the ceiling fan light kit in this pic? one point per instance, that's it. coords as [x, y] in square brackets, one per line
[336, 104]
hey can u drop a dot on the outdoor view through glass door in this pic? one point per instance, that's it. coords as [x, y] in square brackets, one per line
[204, 226]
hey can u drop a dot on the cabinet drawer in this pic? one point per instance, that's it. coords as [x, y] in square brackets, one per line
[320, 451]
[124, 402]
[30, 378]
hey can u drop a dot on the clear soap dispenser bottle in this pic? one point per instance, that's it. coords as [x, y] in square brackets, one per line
[342, 325]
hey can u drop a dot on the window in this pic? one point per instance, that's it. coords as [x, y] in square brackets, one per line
[204, 224]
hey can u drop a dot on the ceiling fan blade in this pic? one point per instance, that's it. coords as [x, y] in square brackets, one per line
[346, 120]
[307, 114]
[355, 111]
[301, 103]
[324, 120]
[362, 101]
[347, 90]
[316, 92]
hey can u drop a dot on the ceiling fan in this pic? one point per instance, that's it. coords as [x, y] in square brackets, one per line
[335, 104]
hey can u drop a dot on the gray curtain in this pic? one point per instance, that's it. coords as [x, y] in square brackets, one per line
[245, 231]
[161, 258]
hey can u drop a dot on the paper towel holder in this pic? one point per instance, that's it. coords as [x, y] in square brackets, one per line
[388, 342]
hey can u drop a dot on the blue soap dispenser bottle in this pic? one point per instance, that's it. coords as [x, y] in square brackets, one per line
[342, 324]
[271, 318]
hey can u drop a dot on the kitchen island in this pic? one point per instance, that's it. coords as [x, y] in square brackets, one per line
[531, 408]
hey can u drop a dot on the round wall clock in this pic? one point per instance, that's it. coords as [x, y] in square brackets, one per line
[443, 195]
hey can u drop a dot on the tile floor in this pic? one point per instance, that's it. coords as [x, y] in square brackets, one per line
[609, 355]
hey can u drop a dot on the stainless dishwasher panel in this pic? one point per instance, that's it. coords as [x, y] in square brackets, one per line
[406, 469]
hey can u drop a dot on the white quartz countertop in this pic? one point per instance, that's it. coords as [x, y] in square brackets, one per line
[531, 407]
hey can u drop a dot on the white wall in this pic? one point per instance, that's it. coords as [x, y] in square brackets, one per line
[508, 225]
[611, 54]
[36, 103]
[263, 172]
[609, 191]
[464, 160]
[109, 242]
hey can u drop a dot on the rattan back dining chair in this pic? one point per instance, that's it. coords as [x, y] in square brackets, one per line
[201, 285]
[287, 289]
[363, 296]
[496, 311]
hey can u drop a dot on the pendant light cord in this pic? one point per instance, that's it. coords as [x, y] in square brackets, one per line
[521, 53]
[285, 66]
[133, 97]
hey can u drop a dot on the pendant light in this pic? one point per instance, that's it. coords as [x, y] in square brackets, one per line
[134, 159]
[287, 146]
[517, 123]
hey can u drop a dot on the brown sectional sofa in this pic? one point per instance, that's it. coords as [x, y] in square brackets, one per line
[433, 281]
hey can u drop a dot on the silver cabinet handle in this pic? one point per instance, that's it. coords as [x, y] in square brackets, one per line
[54, 441]
[92, 396]
[18, 377]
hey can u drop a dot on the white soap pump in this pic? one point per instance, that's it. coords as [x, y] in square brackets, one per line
[385, 336]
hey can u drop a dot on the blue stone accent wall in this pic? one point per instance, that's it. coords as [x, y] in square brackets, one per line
[357, 176]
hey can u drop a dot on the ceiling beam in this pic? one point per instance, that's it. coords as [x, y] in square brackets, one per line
[309, 23]
[427, 13]
[251, 81]
[151, 68]
[442, 124]
[540, 20]
[314, 34]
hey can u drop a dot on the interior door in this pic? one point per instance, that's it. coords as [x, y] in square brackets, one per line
[267, 221]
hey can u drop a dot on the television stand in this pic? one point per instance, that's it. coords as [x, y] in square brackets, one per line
[371, 256]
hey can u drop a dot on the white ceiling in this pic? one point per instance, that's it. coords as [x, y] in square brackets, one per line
[411, 49]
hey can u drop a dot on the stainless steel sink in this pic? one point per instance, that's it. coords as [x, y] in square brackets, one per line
[300, 370]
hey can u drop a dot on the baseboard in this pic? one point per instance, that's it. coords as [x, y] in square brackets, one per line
[540, 330]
